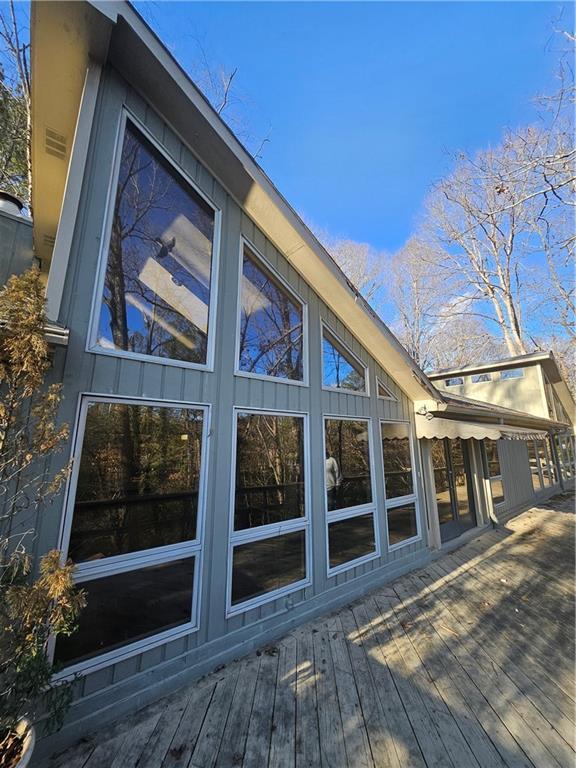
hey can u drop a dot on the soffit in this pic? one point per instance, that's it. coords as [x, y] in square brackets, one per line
[64, 36]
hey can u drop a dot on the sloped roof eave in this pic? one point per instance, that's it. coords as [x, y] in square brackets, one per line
[145, 62]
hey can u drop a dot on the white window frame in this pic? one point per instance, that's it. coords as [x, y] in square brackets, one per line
[262, 261]
[249, 535]
[389, 396]
[92, 345]
[132, 561]
[350, 512]
[402, 501]
[336, 341]
[494, 477]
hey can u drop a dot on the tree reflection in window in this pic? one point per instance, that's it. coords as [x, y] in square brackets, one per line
[269, 470]
[271, 326]
[157, 285]
[397, 460]
[347, 444]
[137, 481]
[339, 369]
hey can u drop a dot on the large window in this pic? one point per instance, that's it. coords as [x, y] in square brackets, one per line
[349, 492]
[271, 334]
[493, 471]
[340, 368]
[134, 526]
[269, 526]
[401, 511]
[542, 464]
[544, 461]
[537, 482]
[564, 451]
[156, 295]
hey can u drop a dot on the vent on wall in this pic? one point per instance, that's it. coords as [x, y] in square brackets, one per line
[55, 144]
[49, 240]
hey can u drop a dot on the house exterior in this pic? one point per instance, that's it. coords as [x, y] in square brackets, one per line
[251, 446]
[532, 383]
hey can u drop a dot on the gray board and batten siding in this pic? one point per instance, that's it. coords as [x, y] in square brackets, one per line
[519, 491]
[15, 245]
[107, 691]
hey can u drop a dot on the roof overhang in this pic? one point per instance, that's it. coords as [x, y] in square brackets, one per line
[546, 359]
[466, 418]
[66, 36]
[466, 430]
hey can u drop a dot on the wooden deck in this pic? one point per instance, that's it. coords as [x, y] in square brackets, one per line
[468, 662]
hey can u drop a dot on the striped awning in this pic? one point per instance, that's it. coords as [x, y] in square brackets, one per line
[466, 430]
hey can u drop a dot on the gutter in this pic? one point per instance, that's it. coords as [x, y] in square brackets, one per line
[56, 335]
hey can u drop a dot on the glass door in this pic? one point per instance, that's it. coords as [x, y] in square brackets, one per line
[454, 496]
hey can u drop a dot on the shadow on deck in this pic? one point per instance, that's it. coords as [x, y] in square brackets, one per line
[467, 662]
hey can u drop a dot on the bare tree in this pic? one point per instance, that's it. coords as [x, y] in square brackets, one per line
[15, 105]
[414, 290]
[435, 329]
[361, 263]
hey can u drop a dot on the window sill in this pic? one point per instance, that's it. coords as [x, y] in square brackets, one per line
[257, 602]
[167, 361]
[331, 572]
[274, 379]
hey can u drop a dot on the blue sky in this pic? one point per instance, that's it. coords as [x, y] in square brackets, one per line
[363, 102]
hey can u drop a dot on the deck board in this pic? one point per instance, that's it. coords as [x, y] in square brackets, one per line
[466, 662]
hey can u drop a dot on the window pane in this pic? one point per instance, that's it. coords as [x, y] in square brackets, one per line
[138, 479]
[340, 370]
[350, 539]
[512, 373]
[551, 461]
[441, 481]
[347, 466]
[492, 458]
[478, 378]
[534, 465]
[402, 523]
[384, 391]
[454, 382]
[269, 470]
[543, 459]
[497, 490]
[397, 460]
[271, 327]
[264, 566]
[157, 286]
[130, 606]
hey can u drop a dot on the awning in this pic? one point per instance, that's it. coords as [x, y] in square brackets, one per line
[452, 428]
